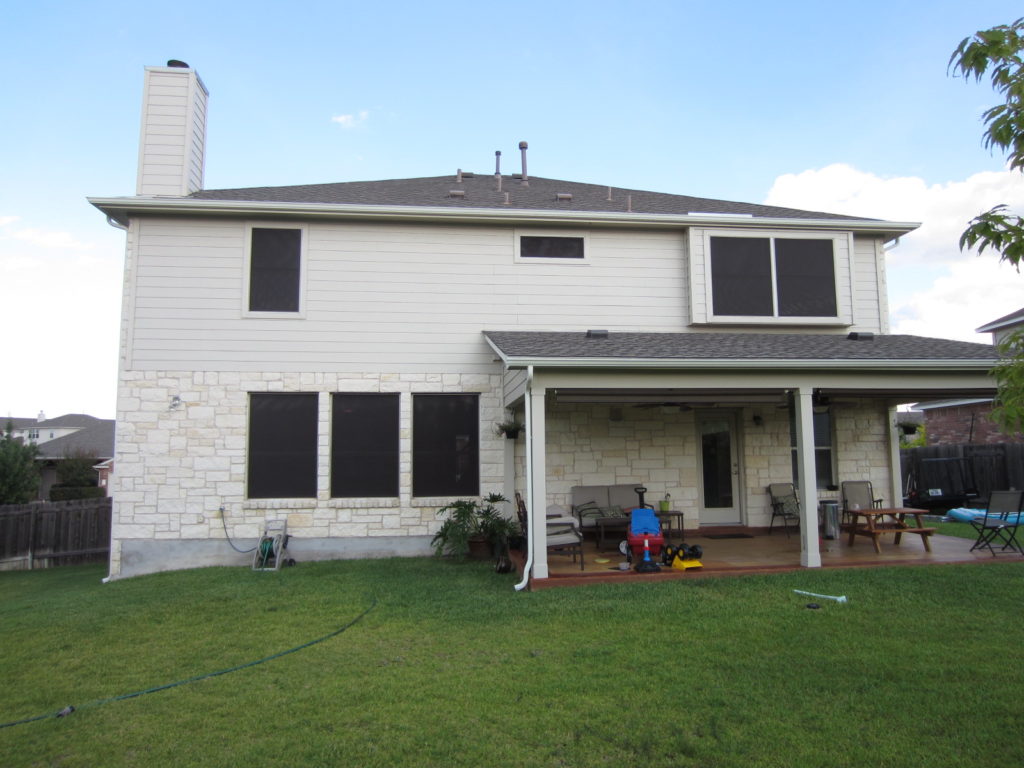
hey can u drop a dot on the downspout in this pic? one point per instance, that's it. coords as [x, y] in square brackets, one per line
[116, 224]
[529, 479]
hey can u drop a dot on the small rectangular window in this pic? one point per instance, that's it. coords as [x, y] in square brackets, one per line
[364, 445]
[549, 247]
[282, 445]
[822, 420]
[445, 445]
[275, 270]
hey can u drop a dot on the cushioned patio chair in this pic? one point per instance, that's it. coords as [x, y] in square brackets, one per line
[785, 504]
[999, 525]
[563, 533]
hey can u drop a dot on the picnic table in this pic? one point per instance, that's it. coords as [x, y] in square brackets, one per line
[879, 522]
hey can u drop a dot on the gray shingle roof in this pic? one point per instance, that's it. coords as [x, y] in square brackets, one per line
[734, 346]
[95, 441]
[1014, 318]
[481, 191]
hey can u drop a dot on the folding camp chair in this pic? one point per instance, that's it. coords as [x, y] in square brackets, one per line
[999, 526]
[858, 494]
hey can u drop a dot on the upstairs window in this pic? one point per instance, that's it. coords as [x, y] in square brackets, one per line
[773, 277]
[546, 246]
[275, 269]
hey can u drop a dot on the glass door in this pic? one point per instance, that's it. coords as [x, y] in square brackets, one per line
[719, 469]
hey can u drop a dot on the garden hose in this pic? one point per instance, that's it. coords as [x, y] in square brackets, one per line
[70, 708]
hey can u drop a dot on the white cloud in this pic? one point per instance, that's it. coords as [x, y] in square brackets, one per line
[5, 220]
[934, 289]
[351, 121]
[51, 239]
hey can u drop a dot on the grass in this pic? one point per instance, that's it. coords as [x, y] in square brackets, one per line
[453, 668]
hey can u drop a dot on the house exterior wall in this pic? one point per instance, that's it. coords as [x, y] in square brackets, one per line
[176, 468]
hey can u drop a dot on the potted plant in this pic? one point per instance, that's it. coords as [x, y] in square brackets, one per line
[471, 524]
[510, 428]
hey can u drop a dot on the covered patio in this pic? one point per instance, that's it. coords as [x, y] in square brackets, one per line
[710, 419]
[758, 552]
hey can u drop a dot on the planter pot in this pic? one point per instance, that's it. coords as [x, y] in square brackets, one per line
[479, 548]
[511, 434]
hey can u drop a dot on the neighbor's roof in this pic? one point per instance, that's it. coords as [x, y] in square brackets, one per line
[1007, 321]
[519, 348]
[95, 441]
[477, 197]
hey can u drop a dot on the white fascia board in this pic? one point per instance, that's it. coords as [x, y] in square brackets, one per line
[121, 208]
[733, 364]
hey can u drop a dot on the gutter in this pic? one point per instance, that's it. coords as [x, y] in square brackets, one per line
[122, 208]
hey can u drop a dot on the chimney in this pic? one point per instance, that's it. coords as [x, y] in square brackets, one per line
[172, 144]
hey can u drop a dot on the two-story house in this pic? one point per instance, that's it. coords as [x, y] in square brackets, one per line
[338, 354]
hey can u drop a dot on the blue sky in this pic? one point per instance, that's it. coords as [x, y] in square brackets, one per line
[835, 107]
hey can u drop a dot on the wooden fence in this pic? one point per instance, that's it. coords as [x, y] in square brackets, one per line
[54, 533]
[960, 470]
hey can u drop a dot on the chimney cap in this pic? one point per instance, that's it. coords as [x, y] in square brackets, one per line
[177, 63]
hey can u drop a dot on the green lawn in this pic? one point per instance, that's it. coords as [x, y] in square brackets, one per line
[452, 668]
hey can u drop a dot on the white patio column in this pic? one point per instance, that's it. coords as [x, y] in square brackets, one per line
[895, 497]
[536, 492]
[810, 552]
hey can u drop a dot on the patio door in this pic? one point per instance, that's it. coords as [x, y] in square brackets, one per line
[719, 469]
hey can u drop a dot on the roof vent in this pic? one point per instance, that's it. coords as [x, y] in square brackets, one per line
[460, 193]
[601, 333]
[523, 146]
[177, 63]
[563, 196]
[861, 336]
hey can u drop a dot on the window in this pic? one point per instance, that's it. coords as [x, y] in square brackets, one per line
[445, 445]
[364, 445]
[282, 445]
[275, 270]
[822, 417]
[533, 247]
[772, 277]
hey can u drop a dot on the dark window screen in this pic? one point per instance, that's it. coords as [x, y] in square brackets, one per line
[741, 276]
[445, 445]
[282, 445]
[806, 278]
[274, 270]
[364, 445]
[550, 247]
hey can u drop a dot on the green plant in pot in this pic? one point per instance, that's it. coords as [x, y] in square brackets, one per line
[470, 522]
[510, 428]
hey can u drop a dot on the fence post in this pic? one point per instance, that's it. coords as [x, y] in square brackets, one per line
[32, 537]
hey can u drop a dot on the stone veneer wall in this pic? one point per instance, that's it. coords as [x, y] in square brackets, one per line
[611, 445]
[176, 467]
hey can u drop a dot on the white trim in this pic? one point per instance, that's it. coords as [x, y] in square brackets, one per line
[303, 270]
[120, 208]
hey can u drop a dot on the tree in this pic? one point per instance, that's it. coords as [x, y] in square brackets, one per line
[19, 474]
[998, 52]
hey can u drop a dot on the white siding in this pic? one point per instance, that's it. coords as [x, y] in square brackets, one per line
[412, 296]
[870, 304]
[172, 143]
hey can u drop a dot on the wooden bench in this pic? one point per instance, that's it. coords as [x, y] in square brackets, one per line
[876, 525]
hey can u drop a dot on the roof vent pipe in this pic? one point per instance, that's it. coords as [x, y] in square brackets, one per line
[523, 146]
[497, 163]
[458, 176]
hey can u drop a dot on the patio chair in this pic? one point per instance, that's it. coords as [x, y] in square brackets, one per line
[858, 494]
[784, 504]
[999, 525]
[563, 533]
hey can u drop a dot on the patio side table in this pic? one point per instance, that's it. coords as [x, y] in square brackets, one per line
[606, 524]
